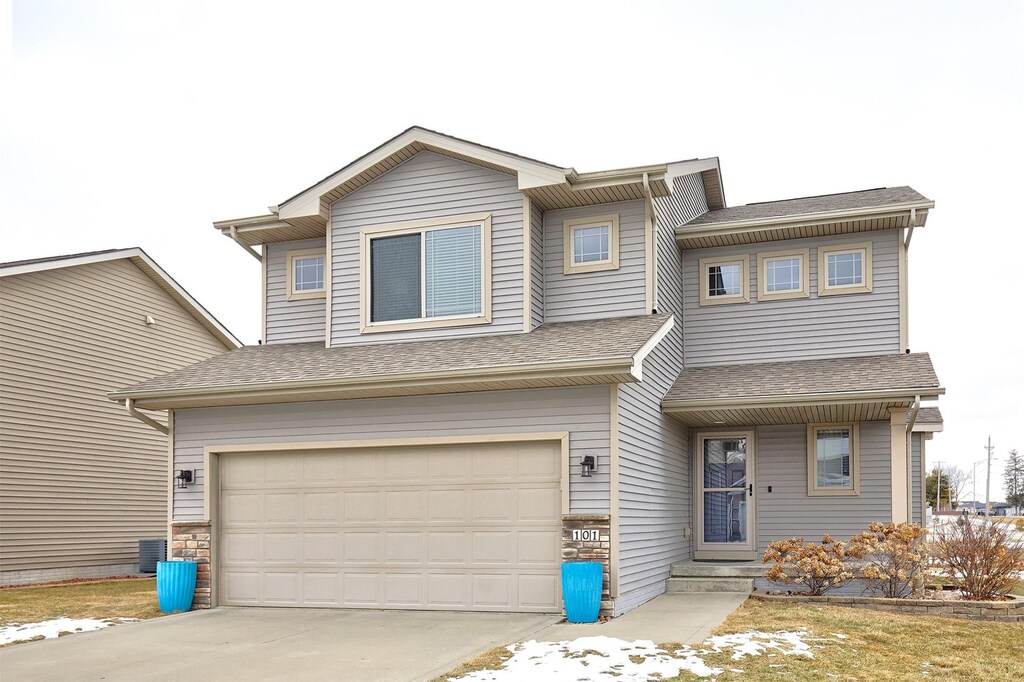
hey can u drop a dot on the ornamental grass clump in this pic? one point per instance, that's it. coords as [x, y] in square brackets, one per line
[817, 567]
[979, 558]
[894, 555]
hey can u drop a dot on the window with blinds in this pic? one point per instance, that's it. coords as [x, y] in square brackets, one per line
[426, 274]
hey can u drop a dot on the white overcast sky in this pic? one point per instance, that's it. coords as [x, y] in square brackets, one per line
[139, 123]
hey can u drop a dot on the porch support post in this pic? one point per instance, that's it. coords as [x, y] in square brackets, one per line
[900, 456]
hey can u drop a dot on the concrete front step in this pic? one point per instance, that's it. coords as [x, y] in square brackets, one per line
[710, 585]
[722, 569]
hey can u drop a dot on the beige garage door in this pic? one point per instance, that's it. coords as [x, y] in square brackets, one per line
[465, 527]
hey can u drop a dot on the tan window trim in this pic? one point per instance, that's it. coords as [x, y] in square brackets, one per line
[812, 460]
[803, 255]
[568, 244]
[823, 287]
[743, 297]
[290, 257]
[419, 226]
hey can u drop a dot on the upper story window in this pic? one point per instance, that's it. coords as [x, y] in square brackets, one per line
[782, 275]
[426, 274]
[844, 269]
[306, 274]
[724, 280]
[832, 459]
[591, 244]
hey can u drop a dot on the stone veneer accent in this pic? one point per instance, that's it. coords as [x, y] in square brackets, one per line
[1010, 611]
[590, 551]
[190, 541]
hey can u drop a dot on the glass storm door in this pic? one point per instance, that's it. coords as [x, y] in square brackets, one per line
[725, 502]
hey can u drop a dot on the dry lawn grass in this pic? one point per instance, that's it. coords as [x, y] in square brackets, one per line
[881, 646]
[107, 599]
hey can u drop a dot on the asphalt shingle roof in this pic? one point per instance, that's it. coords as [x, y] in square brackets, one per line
[50, 259]
[927, 415]
[869, 198]
[251, 366]
[803, 377]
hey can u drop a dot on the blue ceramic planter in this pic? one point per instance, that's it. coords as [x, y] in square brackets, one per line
[175, 585]
[581, 591]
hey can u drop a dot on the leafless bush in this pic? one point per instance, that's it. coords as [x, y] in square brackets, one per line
[978, 558]
[817, 567]
[894, 555]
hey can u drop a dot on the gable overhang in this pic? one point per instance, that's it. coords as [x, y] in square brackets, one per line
[796, 226]
[585, 372]
[148, 266]
[710, 170]
[849, 406]
[305, 215]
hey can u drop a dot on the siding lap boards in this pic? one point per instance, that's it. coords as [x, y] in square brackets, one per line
[291, 321]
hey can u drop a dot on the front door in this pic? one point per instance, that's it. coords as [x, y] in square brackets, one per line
[725, 496]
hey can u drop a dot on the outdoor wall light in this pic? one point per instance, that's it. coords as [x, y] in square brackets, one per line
[184, 477]
[587, 465]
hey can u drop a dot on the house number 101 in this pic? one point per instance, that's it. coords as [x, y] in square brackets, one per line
[589, 535]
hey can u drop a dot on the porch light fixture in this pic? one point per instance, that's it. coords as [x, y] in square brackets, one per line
[587, 465]
[184, 477]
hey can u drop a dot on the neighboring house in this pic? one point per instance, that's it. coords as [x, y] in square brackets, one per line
[476, 365]
[81, 480]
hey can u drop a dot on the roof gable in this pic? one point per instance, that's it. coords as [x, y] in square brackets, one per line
[148, 266]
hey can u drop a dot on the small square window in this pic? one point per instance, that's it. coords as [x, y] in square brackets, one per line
[844, 269]
[591, 244]
[832, 467]
[306, 274]
[724, 280]
[782, 275]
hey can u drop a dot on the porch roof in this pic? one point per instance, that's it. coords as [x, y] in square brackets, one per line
[823, 390]
[557, 354]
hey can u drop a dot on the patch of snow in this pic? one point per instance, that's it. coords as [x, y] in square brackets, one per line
[18, 632]
[609, 658]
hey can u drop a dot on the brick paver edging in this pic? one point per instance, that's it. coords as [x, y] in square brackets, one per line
[1009, 611]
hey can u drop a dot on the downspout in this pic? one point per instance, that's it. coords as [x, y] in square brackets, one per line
[253, 252]
[649, 207]
[145, 418]
[910, 460]
[910, 231]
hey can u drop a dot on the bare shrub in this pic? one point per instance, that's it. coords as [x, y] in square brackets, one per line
[817, 567]
[978, 558]
[894, 555]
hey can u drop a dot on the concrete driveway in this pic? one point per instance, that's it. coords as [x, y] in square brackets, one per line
[271, 644]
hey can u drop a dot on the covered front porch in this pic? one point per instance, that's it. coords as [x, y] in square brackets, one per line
[802, 448]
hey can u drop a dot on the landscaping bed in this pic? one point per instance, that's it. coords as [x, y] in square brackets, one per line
[1010, 610]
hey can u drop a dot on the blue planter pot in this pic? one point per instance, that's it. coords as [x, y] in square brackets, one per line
[581, 591]
[175, 585]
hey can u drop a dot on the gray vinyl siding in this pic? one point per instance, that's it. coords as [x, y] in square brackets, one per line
[916, 478]
[291, 321]
[81, 481]
[582, 411]
[428, 186]
[686, 202]
[592, 295]
[655, 493]
[797, 329]
[536, 266]
[787, 511]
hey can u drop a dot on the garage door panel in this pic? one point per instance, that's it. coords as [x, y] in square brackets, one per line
[472, 526]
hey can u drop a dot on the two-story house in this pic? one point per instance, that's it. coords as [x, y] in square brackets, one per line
[476, 365]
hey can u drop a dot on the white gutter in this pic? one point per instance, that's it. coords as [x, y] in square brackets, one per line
[145, 418]
[233, 233]
[910, 457]
[649, 205]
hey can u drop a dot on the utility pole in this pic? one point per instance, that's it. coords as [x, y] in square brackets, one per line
[938, 486]
[988, 477]
[974, 484]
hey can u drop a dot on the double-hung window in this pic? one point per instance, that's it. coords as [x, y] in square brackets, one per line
[844, 269]
[832, 459]
[306, 274]
[422, 274]
[782, 275]
[591, 244]
[724, 280]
